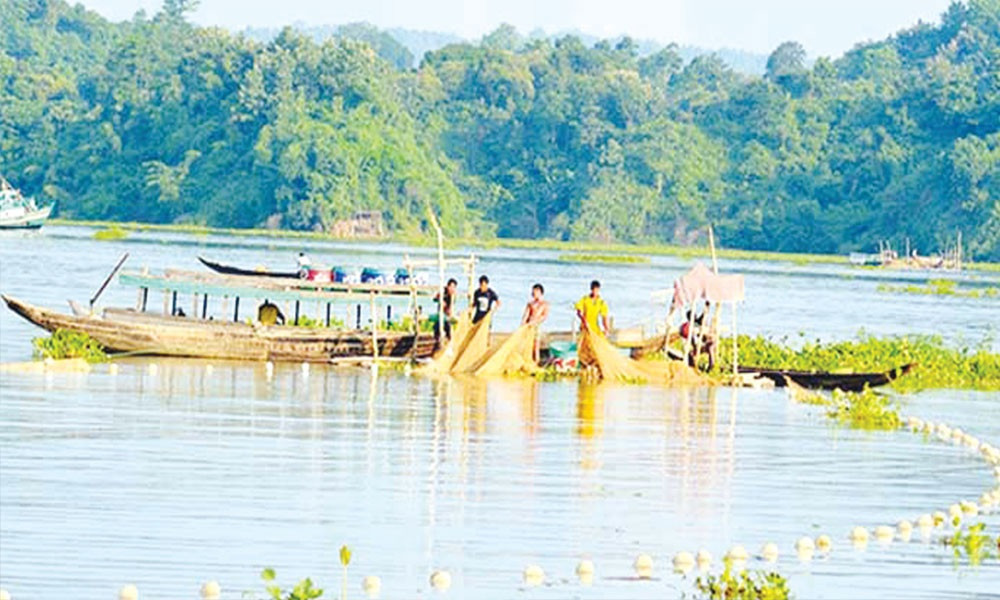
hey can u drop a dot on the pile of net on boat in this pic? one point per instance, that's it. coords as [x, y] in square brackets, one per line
[469, 353]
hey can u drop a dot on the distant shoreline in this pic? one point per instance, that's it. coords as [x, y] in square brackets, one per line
[510, 243]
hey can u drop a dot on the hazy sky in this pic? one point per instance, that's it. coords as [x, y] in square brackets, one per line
[824, 27]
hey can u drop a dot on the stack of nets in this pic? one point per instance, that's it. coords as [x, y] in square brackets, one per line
[469, 352]
[596, 353]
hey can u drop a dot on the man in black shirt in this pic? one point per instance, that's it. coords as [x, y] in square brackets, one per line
[484, 300]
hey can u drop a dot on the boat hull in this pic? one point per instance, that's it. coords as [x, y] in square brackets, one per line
[847, 382]
[231, 270]
[28, 220]
[132, 331]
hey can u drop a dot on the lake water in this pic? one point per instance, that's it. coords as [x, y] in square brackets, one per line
[209, 470]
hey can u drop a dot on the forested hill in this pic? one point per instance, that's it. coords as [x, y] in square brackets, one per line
[157, 120]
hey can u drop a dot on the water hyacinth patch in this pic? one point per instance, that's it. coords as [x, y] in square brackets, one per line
[937, 365]
[865, 410]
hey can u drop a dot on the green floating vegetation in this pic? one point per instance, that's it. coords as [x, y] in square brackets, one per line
[940, 287]
[937, 365]
[865, 410]
[744, 585]
[604, 258]
[69, 344]
[114, 232]
[303, 590]
[973, 544]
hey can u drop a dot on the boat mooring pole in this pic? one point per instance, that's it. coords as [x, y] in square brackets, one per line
[111, 275]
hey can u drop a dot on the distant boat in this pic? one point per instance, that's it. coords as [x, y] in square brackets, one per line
[231, 270]
[18, 212]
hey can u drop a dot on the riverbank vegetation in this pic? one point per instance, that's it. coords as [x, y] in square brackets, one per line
[627, 259]
[936, 364]
[157, 120]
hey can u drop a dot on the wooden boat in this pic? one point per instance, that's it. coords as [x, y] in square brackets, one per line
[848, 382]
[128, 330]
[230, 270]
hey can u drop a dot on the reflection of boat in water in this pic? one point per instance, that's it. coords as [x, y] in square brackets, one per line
[18, 212]
[848, 382]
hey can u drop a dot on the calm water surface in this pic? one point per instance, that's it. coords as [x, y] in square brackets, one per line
[172, 477]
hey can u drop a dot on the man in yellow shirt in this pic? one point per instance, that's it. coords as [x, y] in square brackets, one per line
[592, 306]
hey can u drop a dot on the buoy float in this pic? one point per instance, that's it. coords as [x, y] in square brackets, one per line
[585, 570]
[269, 369]
[152, 369]
[969, 508]
[769, 552]
[737, 554]
[305, 369]
[884, 534]
[704, 560]
[824, 543]
[939, 518]
[533, 575]
[210, 590]
[128, 592]
[371, 586]
[859, 537]
[905, 530]
[209, 369]
[441, 580]
[112, 370]
[643, 566]
[683, 562]
[925, 521]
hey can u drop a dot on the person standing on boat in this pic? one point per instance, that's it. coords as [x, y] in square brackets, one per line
[535, 313]
[590, 308]
[484, 300]
[270, 314]
[447, 308]
[304, 264]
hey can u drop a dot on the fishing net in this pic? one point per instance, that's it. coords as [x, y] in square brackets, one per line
[596, 352]
[443, 362]
[473, 346]
[514, 356]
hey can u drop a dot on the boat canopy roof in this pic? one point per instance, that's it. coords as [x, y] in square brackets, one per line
[214, 284]
[700, 283]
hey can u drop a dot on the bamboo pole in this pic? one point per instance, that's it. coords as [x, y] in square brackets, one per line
[440, 265]
[711, 245]
[374, 311]
[735, 349]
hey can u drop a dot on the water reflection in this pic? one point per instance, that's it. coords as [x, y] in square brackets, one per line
[189, 473]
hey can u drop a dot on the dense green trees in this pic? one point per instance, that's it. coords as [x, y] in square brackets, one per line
[157, 120]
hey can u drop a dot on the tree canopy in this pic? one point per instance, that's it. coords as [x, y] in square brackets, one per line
[155, 119]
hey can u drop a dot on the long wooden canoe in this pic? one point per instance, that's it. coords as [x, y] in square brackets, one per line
[230, 270]
[124, 330]
[848, 382]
